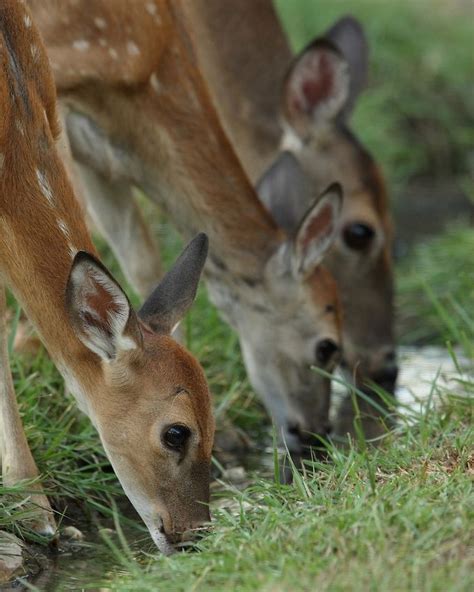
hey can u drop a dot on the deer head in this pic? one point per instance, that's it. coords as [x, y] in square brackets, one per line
[153, 412]
[290, 322]
[318, 148]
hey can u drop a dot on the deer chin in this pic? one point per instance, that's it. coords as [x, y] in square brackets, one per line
[160, 539]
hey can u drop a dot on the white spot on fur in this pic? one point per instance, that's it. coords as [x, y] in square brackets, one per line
[19, 126]
[100, 23]
[113, 53]
[155, 83]
[45, 187]
[72, 249]
[34, 52]
[81, 45]
[27, 21]
[151, 8]
[103, 42]
[133, 48]
[63, 228]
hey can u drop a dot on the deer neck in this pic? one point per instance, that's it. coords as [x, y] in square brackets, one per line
[244, 67]
[40, 232]
[154, 147]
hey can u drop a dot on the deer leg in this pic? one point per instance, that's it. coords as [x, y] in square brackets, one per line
[119, 219]
[16, 459]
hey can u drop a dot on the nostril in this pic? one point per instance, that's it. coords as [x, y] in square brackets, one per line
[326, 350]
[390, 357]
[387, 377]
[308, 438]
[294, 429]
[391, 374]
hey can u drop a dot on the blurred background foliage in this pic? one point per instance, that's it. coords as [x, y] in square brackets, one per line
[417, 116]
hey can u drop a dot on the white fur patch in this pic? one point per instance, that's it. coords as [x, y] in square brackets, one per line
[27, 21]
[113, 53]
[72, 250]
[20, 127]
[133, 48]
[45, 187]
[81, 45]
[100, 23]
[155, 83]
[34, 52]
[63, 228]
[151, 8]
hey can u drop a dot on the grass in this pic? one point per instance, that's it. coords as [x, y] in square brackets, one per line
[439, 271]
[411, 532]
[396, 518]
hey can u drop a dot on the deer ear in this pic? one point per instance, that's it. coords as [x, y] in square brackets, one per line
[174, 295]
[317, 230]
[99, 310]
[348, 35]
[316, 87]
[283, 188]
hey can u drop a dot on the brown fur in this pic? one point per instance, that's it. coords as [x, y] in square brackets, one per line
[130, 399]
[245, 56]
[157, 129]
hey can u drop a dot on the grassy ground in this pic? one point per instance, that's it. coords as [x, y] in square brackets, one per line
[399, 518]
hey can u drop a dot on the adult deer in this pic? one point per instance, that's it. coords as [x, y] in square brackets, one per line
[138, 114]
[145, 394]
[288, 120]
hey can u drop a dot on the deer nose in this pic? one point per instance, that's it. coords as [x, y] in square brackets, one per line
[387, 377]
[308, 439]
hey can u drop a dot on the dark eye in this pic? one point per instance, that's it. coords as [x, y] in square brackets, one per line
[326, 351]
[176, 436]
[358, 236]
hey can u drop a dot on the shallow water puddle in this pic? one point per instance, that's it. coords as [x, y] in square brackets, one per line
[424, 373]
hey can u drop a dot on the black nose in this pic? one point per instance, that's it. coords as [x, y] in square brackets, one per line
[326, 350]
[387, 377]
[306, 438]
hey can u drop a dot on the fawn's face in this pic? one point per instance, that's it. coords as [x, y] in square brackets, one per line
[157, 429]
[149, 399]
[291, 323]
[319, 92]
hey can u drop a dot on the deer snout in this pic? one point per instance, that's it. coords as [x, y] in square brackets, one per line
[386, 377]
[308, 442]
[189, 532]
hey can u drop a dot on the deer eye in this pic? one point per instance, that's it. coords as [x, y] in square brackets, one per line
[176, 436]
[358, 236]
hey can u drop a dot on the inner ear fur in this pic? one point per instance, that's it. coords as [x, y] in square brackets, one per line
[316, 87]
[317, 230]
